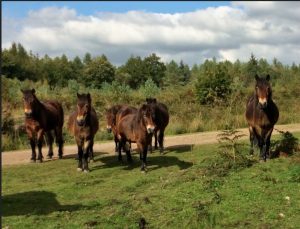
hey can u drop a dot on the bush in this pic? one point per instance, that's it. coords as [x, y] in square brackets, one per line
[213, 85]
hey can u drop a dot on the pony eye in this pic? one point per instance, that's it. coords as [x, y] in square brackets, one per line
[86, 106]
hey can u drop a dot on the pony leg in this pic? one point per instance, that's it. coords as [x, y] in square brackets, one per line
[80, 155]
[268, 141]
[120, 149]
[155, 137]
[50, 142]
[143, 157]
[86, 155]
[117, 145]
[32, 144]
[59, 141]
[40, 144]
[91, 151]
[251, 131]
[160, 141]
[128, 154]
[262, 148]
[150, 147]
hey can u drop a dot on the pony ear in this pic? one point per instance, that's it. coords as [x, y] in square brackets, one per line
[144, 106]
[78, 95]
[147, 100]
[22, 91]
[154, 100]
[256, 77]
[33, 91]
[88, 96]
[268, 77]
[105, 109]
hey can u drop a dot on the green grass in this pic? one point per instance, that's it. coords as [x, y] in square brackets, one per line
[182, 189]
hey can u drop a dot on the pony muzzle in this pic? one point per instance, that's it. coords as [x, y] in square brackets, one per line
[150, 129]
[263, 104]
[28, 114]
[80, 122]
[108, 129]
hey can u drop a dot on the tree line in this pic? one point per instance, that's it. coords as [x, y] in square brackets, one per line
[211, 80]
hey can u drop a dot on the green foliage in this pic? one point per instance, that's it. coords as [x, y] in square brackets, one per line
[228, 140]
[213, 85]
[150, 89]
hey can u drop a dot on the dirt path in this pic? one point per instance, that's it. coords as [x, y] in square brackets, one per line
[22, 157]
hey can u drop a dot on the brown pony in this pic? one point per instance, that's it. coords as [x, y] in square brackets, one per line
[111, 123]
[124, 111]
[137, 128]
[161, 119]
[261, 115]
[83, 124]
[40, 118]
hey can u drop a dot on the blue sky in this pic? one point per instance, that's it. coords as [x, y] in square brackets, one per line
[19, 9]
[192, 31]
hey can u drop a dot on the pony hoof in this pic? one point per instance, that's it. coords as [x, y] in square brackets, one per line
[261, 160]
[86, 170]
[79, 169]
[59, 156]
[49, 157]
[143, 171]
[39, 160]
[32, 160]
[92, 161]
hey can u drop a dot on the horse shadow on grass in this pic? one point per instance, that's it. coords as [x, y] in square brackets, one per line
[33, 203]
[159, 161]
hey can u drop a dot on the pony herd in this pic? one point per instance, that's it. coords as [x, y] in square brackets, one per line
[128, 124]
[131, 125]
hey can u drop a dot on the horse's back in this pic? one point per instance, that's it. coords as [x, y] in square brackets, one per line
[54, 111]
[124, 111]
[165, 113]
[124, 128]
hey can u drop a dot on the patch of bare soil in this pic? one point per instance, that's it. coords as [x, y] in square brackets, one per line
[23, 157]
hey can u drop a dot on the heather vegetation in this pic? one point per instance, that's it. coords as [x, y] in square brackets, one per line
[203, 97]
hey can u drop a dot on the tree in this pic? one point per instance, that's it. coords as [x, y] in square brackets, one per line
[149, 89]
[185, 73]
[134, 70]
[98, 71]
[77, 69]
[87, 59]
[155, 69]
[172, 75]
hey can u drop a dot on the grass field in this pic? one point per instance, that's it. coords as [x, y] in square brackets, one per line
[188, 187]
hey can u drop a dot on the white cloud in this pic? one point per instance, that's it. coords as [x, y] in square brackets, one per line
[266, 29]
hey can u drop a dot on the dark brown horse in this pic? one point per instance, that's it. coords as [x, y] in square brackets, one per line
[83, 124]
[40, 118]
[161, 120]
[261, 114]
[137, 128]
[111, 122]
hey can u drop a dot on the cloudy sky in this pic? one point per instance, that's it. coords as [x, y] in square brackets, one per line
[191, 31]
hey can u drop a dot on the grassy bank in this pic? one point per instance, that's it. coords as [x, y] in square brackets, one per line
[191, 187]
